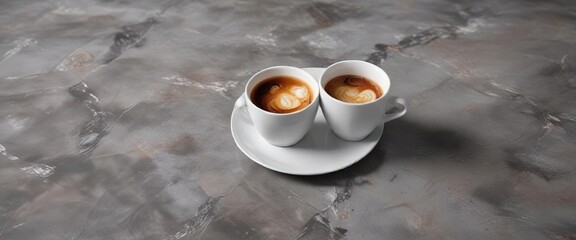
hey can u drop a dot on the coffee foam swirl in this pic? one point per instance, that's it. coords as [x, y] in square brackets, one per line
[282, 102]
[282, 95]
[353, 95]
[353, 89]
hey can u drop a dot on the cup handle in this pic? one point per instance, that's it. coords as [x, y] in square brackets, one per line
[397, 112]
[241, 104]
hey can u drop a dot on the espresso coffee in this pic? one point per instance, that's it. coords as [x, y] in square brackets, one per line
[353, 89]
[282, 94]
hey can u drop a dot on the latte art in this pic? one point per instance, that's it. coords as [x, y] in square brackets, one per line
[282, 94]
[353, 89]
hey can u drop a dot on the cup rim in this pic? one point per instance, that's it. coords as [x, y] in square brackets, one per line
[354, 104]
[316, 95]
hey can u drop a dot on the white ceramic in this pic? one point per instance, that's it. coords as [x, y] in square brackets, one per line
[319, 152]
[352, 121]
[281, 129]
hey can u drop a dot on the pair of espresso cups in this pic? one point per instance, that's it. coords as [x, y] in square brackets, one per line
[348, 121]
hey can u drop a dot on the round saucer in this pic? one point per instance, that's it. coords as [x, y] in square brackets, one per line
[319, 152]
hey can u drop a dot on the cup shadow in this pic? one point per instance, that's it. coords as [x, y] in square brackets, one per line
[320, 138]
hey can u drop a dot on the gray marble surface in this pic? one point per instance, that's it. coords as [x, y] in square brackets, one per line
[115, 115]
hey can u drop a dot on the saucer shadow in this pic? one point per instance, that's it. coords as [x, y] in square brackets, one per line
[406, 140]
[410, 140]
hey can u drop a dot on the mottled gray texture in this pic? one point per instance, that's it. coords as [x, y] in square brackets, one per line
[114, 120]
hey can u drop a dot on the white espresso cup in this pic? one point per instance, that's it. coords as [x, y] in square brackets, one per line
[355, 121]
[281, 129]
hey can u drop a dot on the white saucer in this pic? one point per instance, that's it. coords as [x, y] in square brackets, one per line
[319, 152]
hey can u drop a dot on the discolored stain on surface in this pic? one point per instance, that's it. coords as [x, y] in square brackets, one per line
[79, 61]
[359, 181]
[183, 145]
[101, 20]
[327, 14]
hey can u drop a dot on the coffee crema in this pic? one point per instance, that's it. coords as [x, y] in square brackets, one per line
[353, 89]
[282, 94]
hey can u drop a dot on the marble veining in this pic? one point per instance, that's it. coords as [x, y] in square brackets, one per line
[115, 120]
